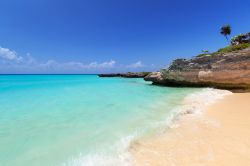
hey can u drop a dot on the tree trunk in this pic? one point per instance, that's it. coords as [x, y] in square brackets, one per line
[227, 39]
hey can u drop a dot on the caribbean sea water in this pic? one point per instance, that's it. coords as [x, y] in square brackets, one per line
[79, 120]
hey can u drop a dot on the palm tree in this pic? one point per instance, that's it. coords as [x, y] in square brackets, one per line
[225, 30]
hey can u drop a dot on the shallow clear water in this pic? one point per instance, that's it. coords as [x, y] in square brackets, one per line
[78, 119]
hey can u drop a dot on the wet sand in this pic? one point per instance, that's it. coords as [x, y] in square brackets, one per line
[220, 136]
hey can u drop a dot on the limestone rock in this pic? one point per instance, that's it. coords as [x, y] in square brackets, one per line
[225, 71]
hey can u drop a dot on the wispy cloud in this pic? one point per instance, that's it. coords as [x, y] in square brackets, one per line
[136, 65]
[52, 64]
[108, 64]
[8, 54]
[10, 61]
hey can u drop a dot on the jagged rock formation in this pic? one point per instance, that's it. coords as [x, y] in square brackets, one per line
[225, 71]
[126, 75]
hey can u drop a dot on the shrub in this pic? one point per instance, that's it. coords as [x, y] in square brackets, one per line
[201, 55]
[241, 38]
[233, 48]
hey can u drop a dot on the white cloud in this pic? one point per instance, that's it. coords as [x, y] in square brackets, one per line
[109, 64]
[8, 54]
[11, 61]
[136, 65]
[52, 64]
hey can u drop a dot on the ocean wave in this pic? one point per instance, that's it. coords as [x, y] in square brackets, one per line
[121, 157]
[196, 102]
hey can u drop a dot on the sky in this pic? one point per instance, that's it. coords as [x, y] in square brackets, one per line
[103, 36]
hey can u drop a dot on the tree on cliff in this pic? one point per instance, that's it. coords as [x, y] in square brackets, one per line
[225, 30]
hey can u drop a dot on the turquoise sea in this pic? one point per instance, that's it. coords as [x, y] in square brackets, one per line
[79, 120]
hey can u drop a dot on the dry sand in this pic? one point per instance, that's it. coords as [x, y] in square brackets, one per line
[218, 137]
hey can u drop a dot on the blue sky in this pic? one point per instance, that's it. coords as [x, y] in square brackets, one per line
[101, 36]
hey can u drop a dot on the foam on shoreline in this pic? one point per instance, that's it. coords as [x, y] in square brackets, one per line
[197, 102]
[193, 103]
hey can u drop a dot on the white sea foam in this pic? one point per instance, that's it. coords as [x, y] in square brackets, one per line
[193, 103]
[196, 102]
[121, 157]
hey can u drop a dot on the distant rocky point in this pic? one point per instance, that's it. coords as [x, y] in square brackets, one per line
[126, 75]
[230, 70]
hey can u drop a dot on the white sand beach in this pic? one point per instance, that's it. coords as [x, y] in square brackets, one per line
[220, 136]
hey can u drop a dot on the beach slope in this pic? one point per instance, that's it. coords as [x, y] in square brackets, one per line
[220, 136]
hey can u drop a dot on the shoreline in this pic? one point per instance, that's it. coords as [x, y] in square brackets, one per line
[220, 135]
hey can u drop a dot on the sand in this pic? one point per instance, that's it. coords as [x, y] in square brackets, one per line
[220, 136]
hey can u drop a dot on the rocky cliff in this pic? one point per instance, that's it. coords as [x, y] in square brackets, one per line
[225, 71]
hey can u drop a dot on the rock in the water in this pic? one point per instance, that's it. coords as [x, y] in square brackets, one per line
[126, 75]
[226, 71]
[155, 77]
[110, 75]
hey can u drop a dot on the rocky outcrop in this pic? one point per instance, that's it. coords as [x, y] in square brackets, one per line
[225, 71]
[126, 75]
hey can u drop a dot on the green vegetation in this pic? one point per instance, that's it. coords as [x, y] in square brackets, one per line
[201, 55]
[232, 48]
[241, 38]
[204, 53]
[227, 49]
[237, 42]
[144, 73]
[225, 30]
